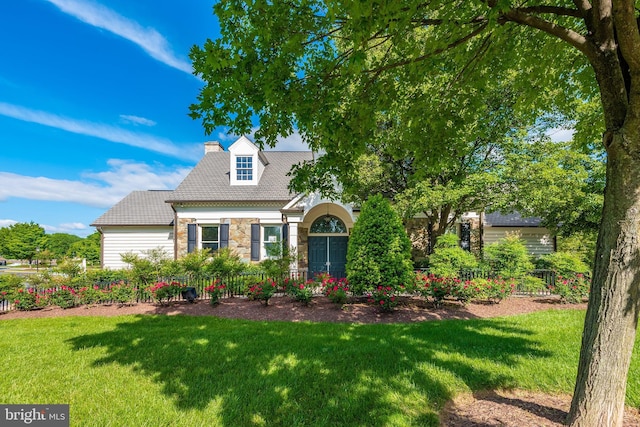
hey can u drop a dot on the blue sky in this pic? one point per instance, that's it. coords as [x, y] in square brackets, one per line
[94, 97]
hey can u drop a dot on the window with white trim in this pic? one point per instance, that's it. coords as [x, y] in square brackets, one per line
[210, 237]
[244, 168]
[271, 240]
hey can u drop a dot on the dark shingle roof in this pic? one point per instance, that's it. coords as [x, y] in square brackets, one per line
[209, 180]
[513, 219]
[139, 208]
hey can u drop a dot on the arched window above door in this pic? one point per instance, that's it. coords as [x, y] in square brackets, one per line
[328, 224]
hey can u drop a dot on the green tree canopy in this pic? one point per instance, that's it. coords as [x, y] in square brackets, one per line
[334, 71]
[22, 240]
[60, 243]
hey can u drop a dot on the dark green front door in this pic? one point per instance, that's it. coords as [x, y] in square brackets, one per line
[328, 254]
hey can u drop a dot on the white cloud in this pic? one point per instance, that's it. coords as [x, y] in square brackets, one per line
[136, 120]
[7, 222]
[291, 143]
[98, 189]
[560, 134]
[98, 130]
[150, 40]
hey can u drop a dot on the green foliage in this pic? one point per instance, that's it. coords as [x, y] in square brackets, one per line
[581, 243]
[564, 264]
[64, 297]
[562, 186]
[337, 290]
[531, 284]
[29, 299]
[279, 261]
[195, 263]
[262, 290]
[146, 269]
[508, 257]
[449, 259]
[384, 297]
[87, 248]
[299, 290]
[69, 267]
[21, 240]
[59, 244]
[225, 262]
[379, 251]
[572, 290]
[215, 291]
[163, 292]
[10, 282]
[90, 295]
[123, 293]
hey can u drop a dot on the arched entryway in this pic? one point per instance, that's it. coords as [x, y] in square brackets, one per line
[328, 240]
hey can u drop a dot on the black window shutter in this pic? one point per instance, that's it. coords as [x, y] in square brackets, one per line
[285, 236]
[224, 235]
[191, 237]
[255, 242]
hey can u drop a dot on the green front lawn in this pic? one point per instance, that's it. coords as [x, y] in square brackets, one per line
[203, 371]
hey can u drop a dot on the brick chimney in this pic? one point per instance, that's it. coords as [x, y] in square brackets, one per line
[212, 147]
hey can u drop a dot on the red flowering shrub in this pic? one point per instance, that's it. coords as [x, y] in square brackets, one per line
[262, 291]
[436, 288]
[215, 291]
[92, 295]
[29, 299]
[63, 297]
[164, 292]
[336, 290]
[572, 289]
[384, 297]
[122, 293]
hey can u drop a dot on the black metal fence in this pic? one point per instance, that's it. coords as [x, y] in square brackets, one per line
[237, 285]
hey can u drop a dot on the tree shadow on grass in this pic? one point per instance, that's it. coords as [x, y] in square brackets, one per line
[314, 373]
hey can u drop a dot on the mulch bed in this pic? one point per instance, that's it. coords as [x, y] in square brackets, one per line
[320, 310]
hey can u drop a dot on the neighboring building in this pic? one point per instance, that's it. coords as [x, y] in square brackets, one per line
[238, 199]
[538, 240]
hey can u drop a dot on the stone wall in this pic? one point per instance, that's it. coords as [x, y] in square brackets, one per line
[240, 235]
[303, 248]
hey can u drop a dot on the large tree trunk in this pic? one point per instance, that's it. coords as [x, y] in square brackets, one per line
[612, 315]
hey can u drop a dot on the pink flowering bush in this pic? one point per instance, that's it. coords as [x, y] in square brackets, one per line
[384, 297]
[465, 291]
[90, 295]
[302, 292]
[215, 291]
[29, 299]
[435, 288]
[63, 297]
[164, 292]
[122, 293]
[495, 290]
[336, 290]
[572, 290]
[262, 291]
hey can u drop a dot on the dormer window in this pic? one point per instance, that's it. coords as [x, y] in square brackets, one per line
[244, 168]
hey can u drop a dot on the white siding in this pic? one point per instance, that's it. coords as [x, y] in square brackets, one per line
[538, 240]
[136, 239]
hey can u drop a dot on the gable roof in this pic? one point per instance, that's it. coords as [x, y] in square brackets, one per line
[139, 208]
[513, 219]
[209, 181]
